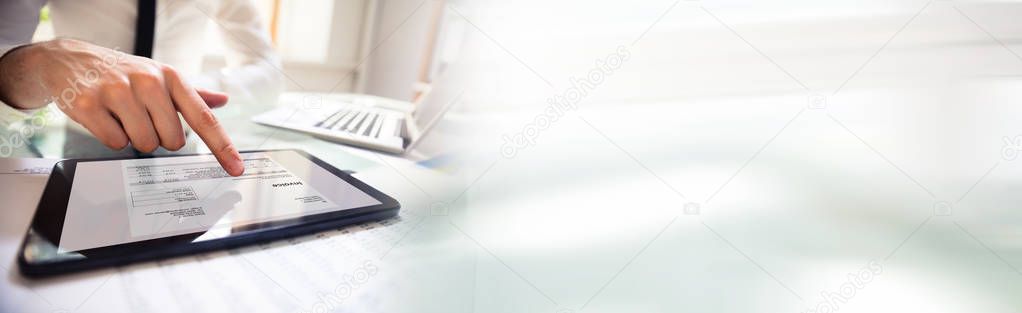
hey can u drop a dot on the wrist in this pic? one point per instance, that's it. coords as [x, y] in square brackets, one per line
[18, 77]
[11, 75]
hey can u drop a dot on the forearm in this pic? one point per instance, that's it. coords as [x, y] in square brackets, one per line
[20, 84]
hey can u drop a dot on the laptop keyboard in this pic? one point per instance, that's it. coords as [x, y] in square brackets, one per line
[356, 121]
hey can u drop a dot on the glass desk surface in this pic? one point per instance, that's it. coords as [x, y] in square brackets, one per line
[778, 209]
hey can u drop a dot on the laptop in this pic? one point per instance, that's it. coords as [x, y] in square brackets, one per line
[365, 121]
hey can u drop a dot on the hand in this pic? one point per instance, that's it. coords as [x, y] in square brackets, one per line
[118, 97]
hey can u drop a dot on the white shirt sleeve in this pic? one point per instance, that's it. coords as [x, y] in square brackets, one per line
[18, 21]
[253, 68]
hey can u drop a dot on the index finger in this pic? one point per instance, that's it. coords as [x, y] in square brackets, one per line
[202, 120]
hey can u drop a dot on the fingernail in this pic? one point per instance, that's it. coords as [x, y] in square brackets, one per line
[238, 165]
[233, 165]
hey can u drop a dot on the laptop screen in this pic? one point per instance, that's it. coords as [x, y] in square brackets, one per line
[436, 103]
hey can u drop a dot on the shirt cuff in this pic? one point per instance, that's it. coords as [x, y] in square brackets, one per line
[10, 115]
[4, 48]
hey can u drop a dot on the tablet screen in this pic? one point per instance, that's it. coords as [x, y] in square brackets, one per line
[122, 201]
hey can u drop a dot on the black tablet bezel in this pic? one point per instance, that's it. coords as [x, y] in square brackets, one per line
[51, 211]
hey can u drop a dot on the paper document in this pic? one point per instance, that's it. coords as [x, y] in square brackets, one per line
[120, 201]
[164, 194]
[30, 166]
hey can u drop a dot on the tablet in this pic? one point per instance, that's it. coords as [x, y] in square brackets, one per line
[107, 212]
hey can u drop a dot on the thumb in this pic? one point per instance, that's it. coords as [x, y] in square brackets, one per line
[213, 99]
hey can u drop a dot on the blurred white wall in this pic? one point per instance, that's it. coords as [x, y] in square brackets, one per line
[689, 53]
[398, 47]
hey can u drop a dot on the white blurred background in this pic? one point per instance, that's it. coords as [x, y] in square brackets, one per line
[747, 156]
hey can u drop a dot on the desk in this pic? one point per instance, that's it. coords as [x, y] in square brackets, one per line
[290, 275]
[629, 224]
